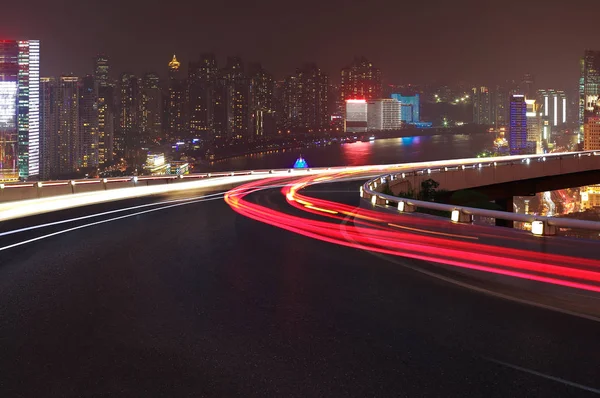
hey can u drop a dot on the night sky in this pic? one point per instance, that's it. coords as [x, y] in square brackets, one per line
[415, 41]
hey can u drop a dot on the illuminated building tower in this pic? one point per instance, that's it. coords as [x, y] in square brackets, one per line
[518, 125]
[356, 116]
[67, 140]
[591, 130]
[106, 109]
[151, 108]
[19, 109]
[88, 123]
[534, 127]
[383, 114]
[360, 80]
[527, 86]
[48, 126]
[482, 106]
[554, 107]
[589, 85]
[202, 78]
[500, 107]
[262, 111]
[411, 107]
[176, 101]
[128, 139]
[305, 96]
[239, 98]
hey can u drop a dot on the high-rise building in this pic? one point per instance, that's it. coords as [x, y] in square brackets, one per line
[591, 133]
[482, 106]
[19, 109]
[518, 125]
[151, 108]
[411, 107]
[360, 80]
[129, 139]
[202, 76]
[589, 86]
[262, 107]
[305, 98]
[48, 126]
[534, 126]
[106, 109]
[554, 106]
[67, 140]
[383, 114]
[356, 116]
[88, 123]
[176, 117]
[500, 104]
[527, 86]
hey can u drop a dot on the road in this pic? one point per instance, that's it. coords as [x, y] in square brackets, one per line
[197, 300]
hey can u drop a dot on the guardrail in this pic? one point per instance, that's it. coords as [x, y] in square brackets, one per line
[541, 225]
[15, 191]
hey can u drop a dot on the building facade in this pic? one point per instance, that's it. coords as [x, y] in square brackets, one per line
[88, 123]
[106, 109]
[411, 107]
[518, 125]
[176, 106]
[589, 86]
[591, 133]
[151, 109]
[383, 114]
[356, 116]
[482, 106]
[19, 109]
[360, 80]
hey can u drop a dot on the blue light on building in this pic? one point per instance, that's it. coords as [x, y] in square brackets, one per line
[518, 125]
[410, 110]
[300, 163]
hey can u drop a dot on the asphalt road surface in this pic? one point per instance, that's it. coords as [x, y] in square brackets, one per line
[195, 300]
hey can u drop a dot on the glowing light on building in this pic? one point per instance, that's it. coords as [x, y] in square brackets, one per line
[555, 110]
[564, 110]
[356, 116]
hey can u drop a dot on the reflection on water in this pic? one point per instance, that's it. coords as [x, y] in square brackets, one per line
[388, 151]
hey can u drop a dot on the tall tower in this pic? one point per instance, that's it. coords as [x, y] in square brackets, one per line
[202, 77]
[589, 86]
[482, 106]
[305, 97]
[128, 140]
[106, 109]
[48, 126]
[151, 111]
[360, 80]
[518, 125]
[176, 100]
[88, 123]
[67, 157]
[19, 109]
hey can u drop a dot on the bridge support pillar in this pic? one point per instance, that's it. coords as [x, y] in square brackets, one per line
[506, 204]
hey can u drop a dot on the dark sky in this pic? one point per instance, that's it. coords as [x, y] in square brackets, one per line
[416, 41]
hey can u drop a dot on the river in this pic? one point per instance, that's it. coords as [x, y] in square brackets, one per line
[384, 151]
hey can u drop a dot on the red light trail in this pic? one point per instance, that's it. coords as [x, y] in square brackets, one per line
[397, 235]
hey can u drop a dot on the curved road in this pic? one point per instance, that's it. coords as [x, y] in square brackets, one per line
[196, 300]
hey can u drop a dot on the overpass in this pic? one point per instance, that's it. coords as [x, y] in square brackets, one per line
[499, 179]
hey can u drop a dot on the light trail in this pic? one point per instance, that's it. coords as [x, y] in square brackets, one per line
[371, 230]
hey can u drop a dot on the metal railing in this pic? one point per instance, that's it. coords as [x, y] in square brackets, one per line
[541, 225]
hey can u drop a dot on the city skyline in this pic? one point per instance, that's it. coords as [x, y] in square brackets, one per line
[413, 42]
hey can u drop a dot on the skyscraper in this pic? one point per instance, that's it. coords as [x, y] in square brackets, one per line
[176, 117]
[19, 109]
[306, 106]
[128, 139]
[88, 123]
[360, 80]
[383, 114]
[554, 106]
[202, 76]
[48, 126]
[589, 86]
[500, 104]
[591, 130]
[534, 126]
[262, 107]
[482, 106]
[106, 109]
[151, 108]
[239, 98]
[67, 140]
[411, 107]
[518, 125]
